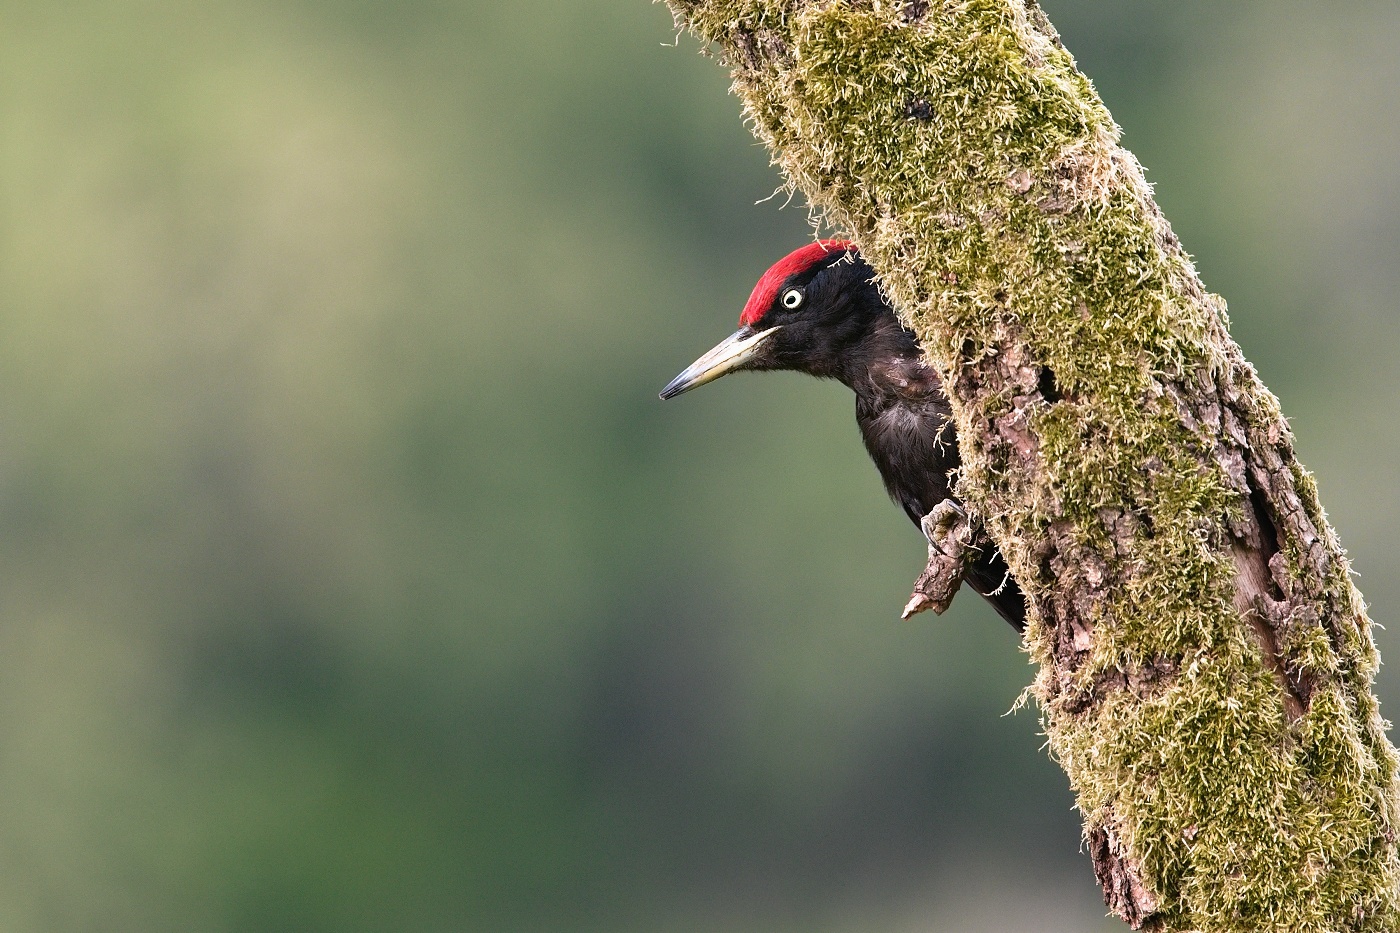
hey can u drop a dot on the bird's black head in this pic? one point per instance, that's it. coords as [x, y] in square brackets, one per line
[810, 312]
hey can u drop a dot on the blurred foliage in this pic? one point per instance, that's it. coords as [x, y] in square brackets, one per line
[356, 580]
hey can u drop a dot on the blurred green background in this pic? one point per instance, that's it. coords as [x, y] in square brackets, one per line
[352, 576]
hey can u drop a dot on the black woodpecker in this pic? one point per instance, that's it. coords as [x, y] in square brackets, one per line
[818, 311]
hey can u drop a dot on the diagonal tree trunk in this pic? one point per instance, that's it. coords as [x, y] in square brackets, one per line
[1205, 661]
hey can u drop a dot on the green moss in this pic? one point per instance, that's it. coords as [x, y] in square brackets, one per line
[980, 173]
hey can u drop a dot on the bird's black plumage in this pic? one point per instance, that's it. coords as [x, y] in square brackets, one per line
[827, 318]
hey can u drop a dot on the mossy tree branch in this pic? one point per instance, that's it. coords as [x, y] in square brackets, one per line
[1205, 661]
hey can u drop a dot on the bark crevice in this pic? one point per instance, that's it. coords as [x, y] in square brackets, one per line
[1120, 877]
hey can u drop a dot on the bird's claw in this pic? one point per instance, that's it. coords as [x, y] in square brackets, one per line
[949, 533]
[947, 527]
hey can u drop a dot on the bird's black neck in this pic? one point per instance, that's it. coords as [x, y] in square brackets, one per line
[888, 367]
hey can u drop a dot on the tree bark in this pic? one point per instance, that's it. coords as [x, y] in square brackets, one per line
[1205, 660]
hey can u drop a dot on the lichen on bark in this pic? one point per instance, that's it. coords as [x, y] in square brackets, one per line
[1205, 662]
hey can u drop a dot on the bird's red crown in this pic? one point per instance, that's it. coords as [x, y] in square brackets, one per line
[797, 261]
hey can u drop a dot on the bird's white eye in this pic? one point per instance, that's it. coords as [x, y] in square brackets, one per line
[792, 298]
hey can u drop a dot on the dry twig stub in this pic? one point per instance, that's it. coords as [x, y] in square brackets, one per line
[950, 544]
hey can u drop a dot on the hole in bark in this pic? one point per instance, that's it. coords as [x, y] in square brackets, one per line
[1048, 389]
[1267, 532]
[1256, 588]
[918, 108]
[914, 10]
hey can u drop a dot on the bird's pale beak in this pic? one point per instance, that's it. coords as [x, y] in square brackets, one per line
[733, 352]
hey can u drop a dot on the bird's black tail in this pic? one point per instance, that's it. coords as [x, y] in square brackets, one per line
[992, 579]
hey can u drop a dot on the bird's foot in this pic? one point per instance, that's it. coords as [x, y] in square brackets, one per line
[949, 533]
